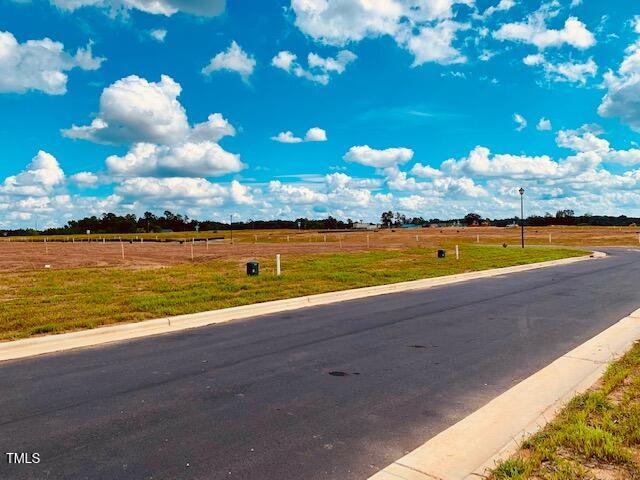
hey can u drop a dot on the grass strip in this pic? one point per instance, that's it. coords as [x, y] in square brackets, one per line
[596, 436]
[55, 301]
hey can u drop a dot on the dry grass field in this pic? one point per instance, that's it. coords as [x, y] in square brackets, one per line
[151, 250]
[57, 284]
[40, 301]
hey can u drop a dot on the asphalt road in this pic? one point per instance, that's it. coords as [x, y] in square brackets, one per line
[255, 399]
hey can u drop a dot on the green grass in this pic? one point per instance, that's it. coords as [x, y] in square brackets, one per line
[599, 430]
[54, 301]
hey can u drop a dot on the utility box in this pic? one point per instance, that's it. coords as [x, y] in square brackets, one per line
[442, 253]
[253, 269]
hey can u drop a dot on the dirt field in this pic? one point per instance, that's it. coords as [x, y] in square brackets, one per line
[60, 252]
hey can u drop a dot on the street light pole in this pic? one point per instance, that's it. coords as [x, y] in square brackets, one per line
[521, 192]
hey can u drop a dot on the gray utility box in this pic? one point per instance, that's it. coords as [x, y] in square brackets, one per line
[253, 268]
[442, 253]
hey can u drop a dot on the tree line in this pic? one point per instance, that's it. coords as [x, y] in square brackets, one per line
[172, 222]
[169, 221]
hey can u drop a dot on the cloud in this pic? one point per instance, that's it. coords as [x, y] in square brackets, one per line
[135, 110]
[623, 89]
[234, 59]
[544, 125]
[337, 191]
[296, 194]
[158, 34]
[434, 44]
[84, 179]
[40, 65]
[425, 171]
[150, 188]
[286, 137]
[481, 163]
[314, 134]
[582, 140]
[502, 6]
[319, 69]
[572, 72]
[205, 8]
[414, 25]
[184, 192]
[148, 117]
[535, 32]
[41, 175]
[390, 157]
[459, 187]
[585, 140]
[521, 121]
[190, 159]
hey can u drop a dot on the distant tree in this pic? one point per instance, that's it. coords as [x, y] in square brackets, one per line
[331, 223]
[565, 214]
[472, 219]
[386, 219]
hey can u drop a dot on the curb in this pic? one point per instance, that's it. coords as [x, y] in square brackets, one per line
[67, 341]
[456, 453]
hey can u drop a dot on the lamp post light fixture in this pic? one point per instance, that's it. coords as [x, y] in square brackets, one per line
[521, 192]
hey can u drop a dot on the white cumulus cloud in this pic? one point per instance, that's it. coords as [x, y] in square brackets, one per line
[135, 110]
[84, 179]
[535, 32]
[424, 27]
[435, 44]
[39, 177]
[286, 137]
[623, 89]
[40, 64]
[370, 157]
[149, 117]
[572, 72]
[155, 7]
[318, 70]
[544, 124]
[190, 159]
[234, 59]
[314, 134]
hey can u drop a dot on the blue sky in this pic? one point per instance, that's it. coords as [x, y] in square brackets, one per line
[292, 108]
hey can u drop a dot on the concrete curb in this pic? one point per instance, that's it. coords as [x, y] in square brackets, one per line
[67, 341]
[474, 445]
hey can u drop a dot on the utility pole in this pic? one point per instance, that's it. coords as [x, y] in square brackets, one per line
[521, 192]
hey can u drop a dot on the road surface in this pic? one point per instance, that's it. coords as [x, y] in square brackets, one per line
[331, 392]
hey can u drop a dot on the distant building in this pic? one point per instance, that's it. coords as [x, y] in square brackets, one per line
[364, 226]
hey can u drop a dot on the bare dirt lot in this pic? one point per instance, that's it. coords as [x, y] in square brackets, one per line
[60, 252]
